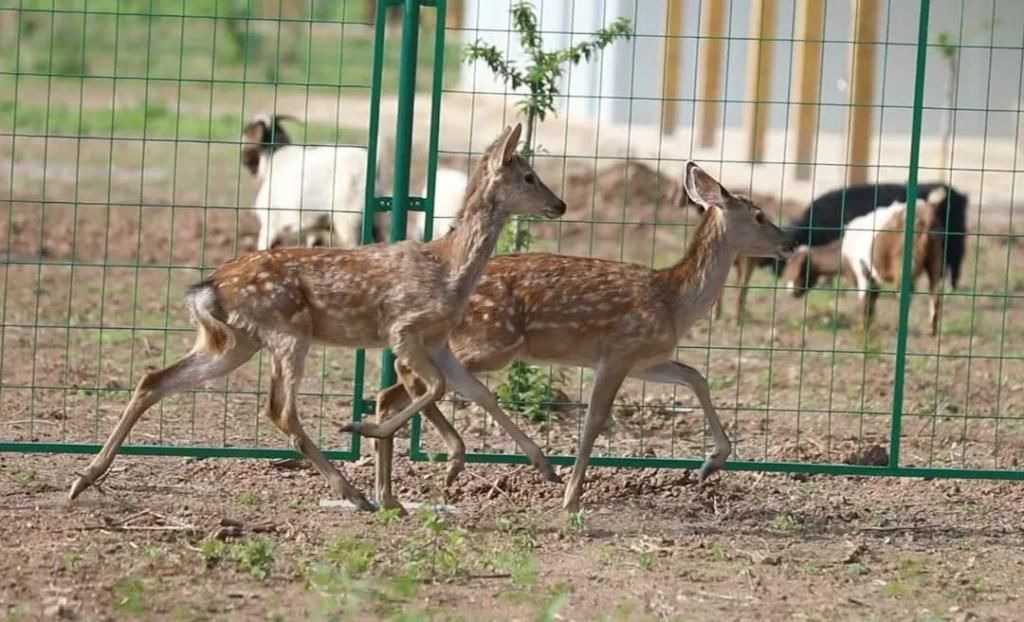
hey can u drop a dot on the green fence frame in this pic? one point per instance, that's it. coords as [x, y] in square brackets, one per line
[400, 203]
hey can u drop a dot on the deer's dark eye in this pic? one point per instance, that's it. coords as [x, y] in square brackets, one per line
[759, 217]
[530, 179]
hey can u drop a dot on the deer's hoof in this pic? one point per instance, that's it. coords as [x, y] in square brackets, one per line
[353, 427]
[549, 473]
[364, 504]
[391, 503]
[80, 484]
[706, 470]
[455, 468]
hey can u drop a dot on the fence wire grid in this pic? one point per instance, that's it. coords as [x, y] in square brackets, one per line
[121, 183]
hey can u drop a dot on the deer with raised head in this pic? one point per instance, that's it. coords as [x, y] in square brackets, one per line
[407, 296]
[619, 319]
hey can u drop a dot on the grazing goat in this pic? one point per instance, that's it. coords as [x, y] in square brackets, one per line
[315, 193]
[619, 319]
[449, 194]
[872, 247]
[406, 296]
[824, 219]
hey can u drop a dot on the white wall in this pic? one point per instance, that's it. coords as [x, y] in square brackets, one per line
[602, 89]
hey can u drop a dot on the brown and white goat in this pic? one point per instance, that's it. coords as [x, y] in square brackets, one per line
[407, 296]
[619, 319]
[872, 248]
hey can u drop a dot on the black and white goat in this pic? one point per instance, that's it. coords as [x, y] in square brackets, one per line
[314, 192]
[826, 217]
[824, 220]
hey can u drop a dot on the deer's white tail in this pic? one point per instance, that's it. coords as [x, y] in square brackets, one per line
[215, 336]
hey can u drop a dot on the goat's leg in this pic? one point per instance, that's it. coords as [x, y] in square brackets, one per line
[286, 369]
[935, 274]
[197, 367]
[465, 383]
[744, 270]
[869, 307]
[607, 380]
[674, 372]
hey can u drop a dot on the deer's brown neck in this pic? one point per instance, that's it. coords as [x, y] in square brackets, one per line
[696, 280]
[469, 246]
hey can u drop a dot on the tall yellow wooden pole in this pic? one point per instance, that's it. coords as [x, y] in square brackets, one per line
[453, 16]
[673, 55]
[862, 90]
[810, 29]
[711, 53]
[759, 75]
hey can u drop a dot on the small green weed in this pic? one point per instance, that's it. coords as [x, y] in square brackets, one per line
[27, 478]
[355, 556]
[130, 596]
[576, 522]
[389, 517]
[212, 551]
[437, 551]
[256, 555]
[520, 563]
[857, 569]
[785, 524]
[897, 590]
[249, 499]
[529, 390]
[718, 552]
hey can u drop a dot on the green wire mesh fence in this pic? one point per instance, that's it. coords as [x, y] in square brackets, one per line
[120, 125]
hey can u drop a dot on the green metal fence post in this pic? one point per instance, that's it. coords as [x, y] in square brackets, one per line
[416, 451]
[370, 206]
[906, 282]
[403, 144]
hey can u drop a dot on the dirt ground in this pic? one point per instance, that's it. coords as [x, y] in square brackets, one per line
[193, 540]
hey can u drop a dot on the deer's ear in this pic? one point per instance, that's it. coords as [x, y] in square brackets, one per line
[504, 148]
[511, 142]
[495, 155]
[701, 188]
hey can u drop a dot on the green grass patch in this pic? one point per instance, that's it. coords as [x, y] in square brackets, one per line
[153, 120]
[202, 40]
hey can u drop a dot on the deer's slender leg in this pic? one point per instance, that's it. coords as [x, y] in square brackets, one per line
[197, 367]
[287, 364]
[409, 351]
[607, 380]
[465, 383]
[434, 416]
[674, 372]
[392, 400]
